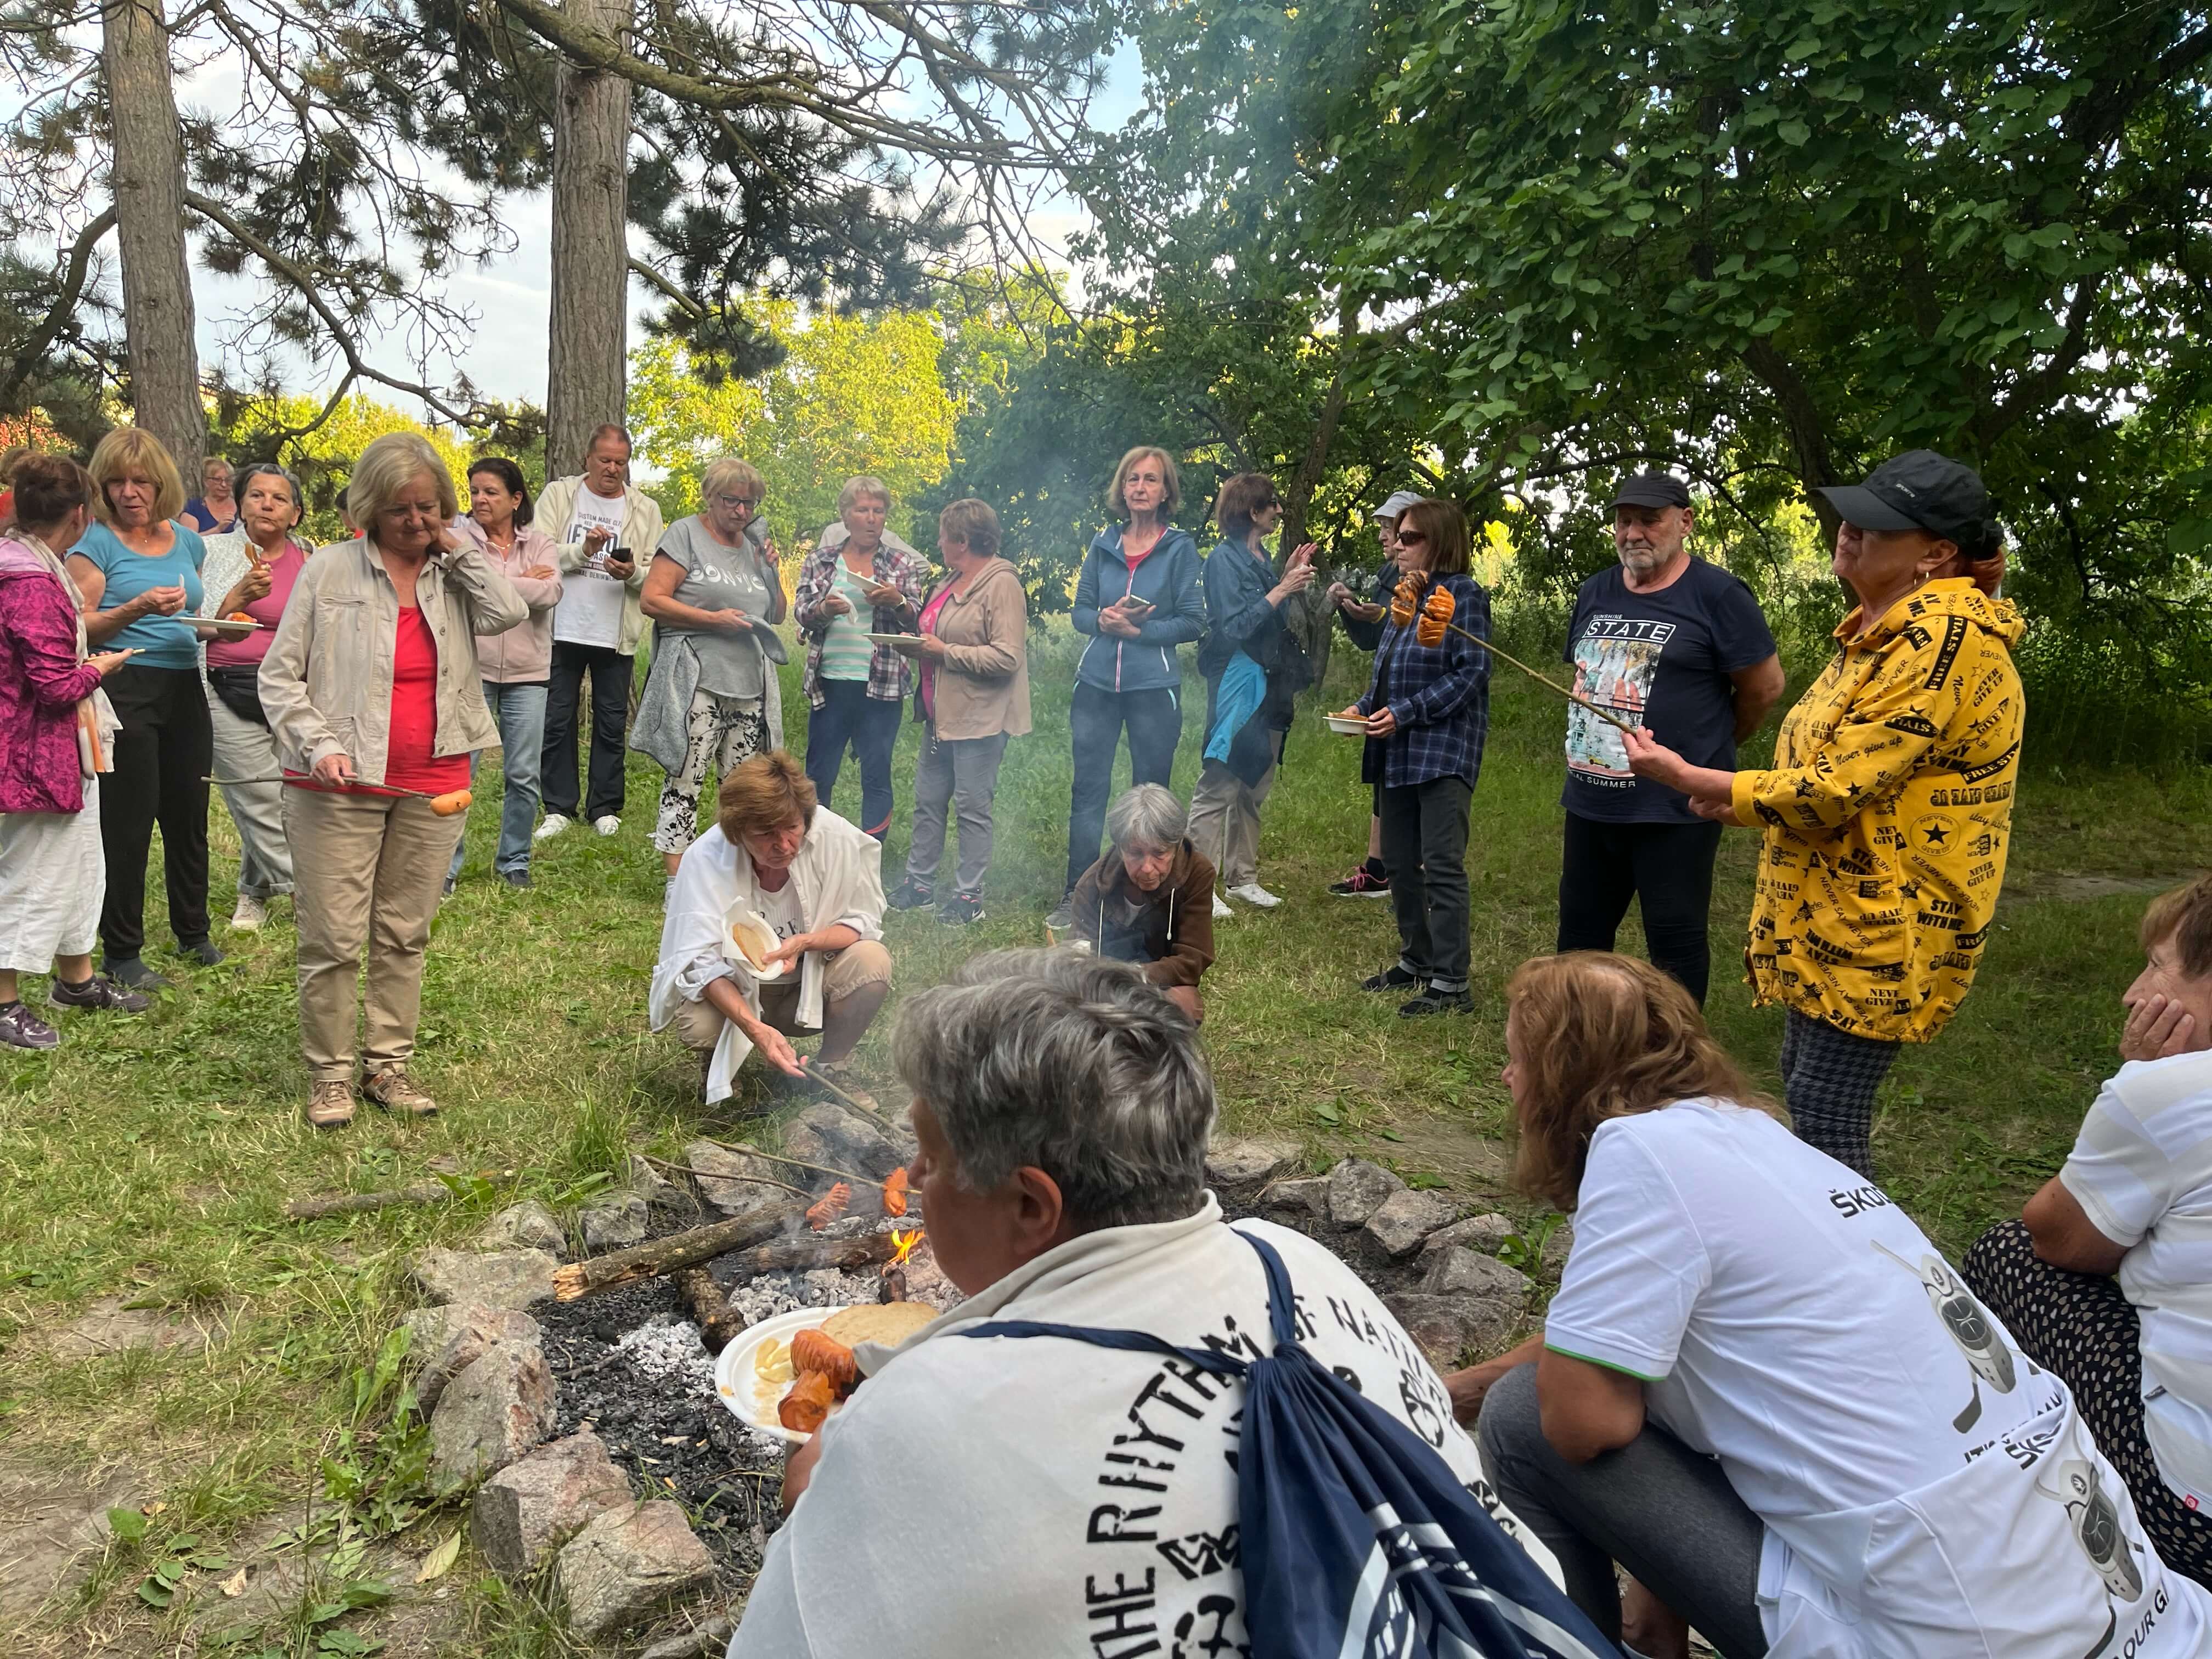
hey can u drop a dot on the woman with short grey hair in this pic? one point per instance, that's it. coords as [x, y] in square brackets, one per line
[250, 571]
[1149, 899]
[1062, 1110]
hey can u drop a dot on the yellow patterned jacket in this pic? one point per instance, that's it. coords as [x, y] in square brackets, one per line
[1886, 818]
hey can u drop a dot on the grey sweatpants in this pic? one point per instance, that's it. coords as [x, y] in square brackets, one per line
[1224, 819]
[961, 773]
[1655, 1506]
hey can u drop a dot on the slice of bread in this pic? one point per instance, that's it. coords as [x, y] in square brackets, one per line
[888, 1322]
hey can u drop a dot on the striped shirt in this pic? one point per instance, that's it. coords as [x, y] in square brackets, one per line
[2141, 1169]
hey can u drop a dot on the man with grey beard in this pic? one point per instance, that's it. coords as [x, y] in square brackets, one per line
[1679, 646]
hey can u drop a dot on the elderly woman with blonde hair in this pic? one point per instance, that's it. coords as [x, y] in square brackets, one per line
[860, 578]
[712, 698]
[137, 573]
[375, 694]
[1762, 1391]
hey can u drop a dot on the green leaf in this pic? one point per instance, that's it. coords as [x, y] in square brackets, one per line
[1794, 133]
[440, 1560]
[1640, 211]
[128, 1525]
[156, 1594]
[1325, 1112]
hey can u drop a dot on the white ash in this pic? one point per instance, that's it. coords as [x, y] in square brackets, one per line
[669, 1350]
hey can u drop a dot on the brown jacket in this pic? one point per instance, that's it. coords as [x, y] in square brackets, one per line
[983, 683]
[1175, 930]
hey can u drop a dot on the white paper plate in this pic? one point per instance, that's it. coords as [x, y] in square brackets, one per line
[739, 915]
[892, 639]
[733, 1370]
[1344, 725]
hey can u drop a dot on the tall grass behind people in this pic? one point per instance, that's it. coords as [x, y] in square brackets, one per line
[860, 578]
[1764, 1392]
[250, 571]
[56, 734]
[1888, 814]
[1427, 709]
[607, 527]
[774, 926]
[517, 665]
[1363, 607]
[971, 694]
[375, 694]
[2102, 1279]
[1254, 670]
[1146, 899]
[1679, 644]
[1138, 598]
[712, 697]
[137, 573]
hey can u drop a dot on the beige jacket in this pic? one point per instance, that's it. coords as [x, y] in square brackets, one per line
[642, 529]
[983, 683]
[326, 682]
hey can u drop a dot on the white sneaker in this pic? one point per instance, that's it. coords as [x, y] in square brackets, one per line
[1252, 893]
[607, 825]
[1221, 911]
[249, 916]
[553, 824]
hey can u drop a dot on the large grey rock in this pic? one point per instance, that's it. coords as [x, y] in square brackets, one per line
[492, 1413]
[459, 1339]
[661, 1195]
[531, 1507]
[613, 1220]
[832, 1133]
[528, 1225]
[701, 1642]
[1357, 1189]
[1405, 1218]
[1462, 1271]
[626, 1564]
[501, 1278]
[1240, 1166]
[1307, 1198]
[1478, 1232]
[719, 1170]
[1556, 1247]
[1449, 1328]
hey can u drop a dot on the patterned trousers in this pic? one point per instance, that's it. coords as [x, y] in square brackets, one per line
[721, 733]
[2082, 1328]
[1830, 1079]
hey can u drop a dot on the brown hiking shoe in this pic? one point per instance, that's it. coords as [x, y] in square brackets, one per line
[842, 1075]
[395, 1091]
[330, 1103]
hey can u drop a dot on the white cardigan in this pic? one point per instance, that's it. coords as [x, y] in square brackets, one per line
[839, 880]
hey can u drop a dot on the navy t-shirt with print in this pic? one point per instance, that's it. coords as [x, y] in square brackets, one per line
[1661, 660]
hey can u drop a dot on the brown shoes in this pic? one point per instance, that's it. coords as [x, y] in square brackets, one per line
[330, 1103]
[395, 1091]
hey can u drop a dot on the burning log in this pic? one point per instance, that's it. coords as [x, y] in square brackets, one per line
[708, 1308]
[665, 1255]
[801, 1254]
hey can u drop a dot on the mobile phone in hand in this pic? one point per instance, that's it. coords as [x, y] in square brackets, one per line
[1133, 607]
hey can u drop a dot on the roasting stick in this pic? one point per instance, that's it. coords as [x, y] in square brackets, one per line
[1421, 617]
[444, 805]
[815, 1075]
[775, 1158]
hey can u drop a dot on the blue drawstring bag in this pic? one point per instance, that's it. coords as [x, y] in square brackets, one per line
[1357, 1542]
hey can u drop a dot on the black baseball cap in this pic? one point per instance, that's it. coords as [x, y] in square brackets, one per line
[1916, 490]
[1652, 490]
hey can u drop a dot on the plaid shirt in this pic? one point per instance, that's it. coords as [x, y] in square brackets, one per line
[889, 673]
[1440, 695]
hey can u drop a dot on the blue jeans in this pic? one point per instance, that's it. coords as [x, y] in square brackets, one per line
[849, 715]
[520, 712]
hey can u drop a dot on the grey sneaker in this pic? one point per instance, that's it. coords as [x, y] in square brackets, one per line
[132, 971]
[204, 952]
[395, 1091]
[330, 1103]
[1062, 919]
[104, 995]
[22, 1028]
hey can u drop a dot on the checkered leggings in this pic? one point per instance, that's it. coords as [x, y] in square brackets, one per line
[2082, 1328]
[1829, 1079]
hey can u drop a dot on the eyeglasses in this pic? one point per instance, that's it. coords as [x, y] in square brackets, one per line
[737, 501]
[1412, 539]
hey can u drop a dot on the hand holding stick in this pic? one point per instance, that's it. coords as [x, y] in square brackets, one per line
[1435, 622]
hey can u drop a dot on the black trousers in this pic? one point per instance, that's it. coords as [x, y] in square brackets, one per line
[1095, 720]
[1667, 868]
[1425, 828]
[163, 758]
[610, 671]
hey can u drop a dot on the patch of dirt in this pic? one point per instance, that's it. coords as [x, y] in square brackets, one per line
[2076, 885]
[1473, 1165]
[53, 1529]
[108, 1327]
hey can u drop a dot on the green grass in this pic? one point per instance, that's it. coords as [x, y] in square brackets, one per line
[149, 1159]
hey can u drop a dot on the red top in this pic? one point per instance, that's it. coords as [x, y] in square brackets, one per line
[928, 625]
[283, 571]
[408, 763]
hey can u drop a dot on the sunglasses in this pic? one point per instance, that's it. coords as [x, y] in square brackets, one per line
[1412, 539]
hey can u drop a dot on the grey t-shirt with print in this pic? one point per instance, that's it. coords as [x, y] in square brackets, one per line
[719, 578]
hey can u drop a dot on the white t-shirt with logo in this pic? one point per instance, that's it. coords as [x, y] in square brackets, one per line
[590, 611]
[2141, 1169]
[1927, 1489]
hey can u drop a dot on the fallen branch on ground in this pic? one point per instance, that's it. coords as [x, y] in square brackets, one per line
[666, 1256]
[421, 1192]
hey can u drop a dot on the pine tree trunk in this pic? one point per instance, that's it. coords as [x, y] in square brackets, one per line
[148, 185]
[586, 367]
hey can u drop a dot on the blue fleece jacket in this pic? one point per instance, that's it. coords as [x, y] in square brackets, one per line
[1168, 577]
